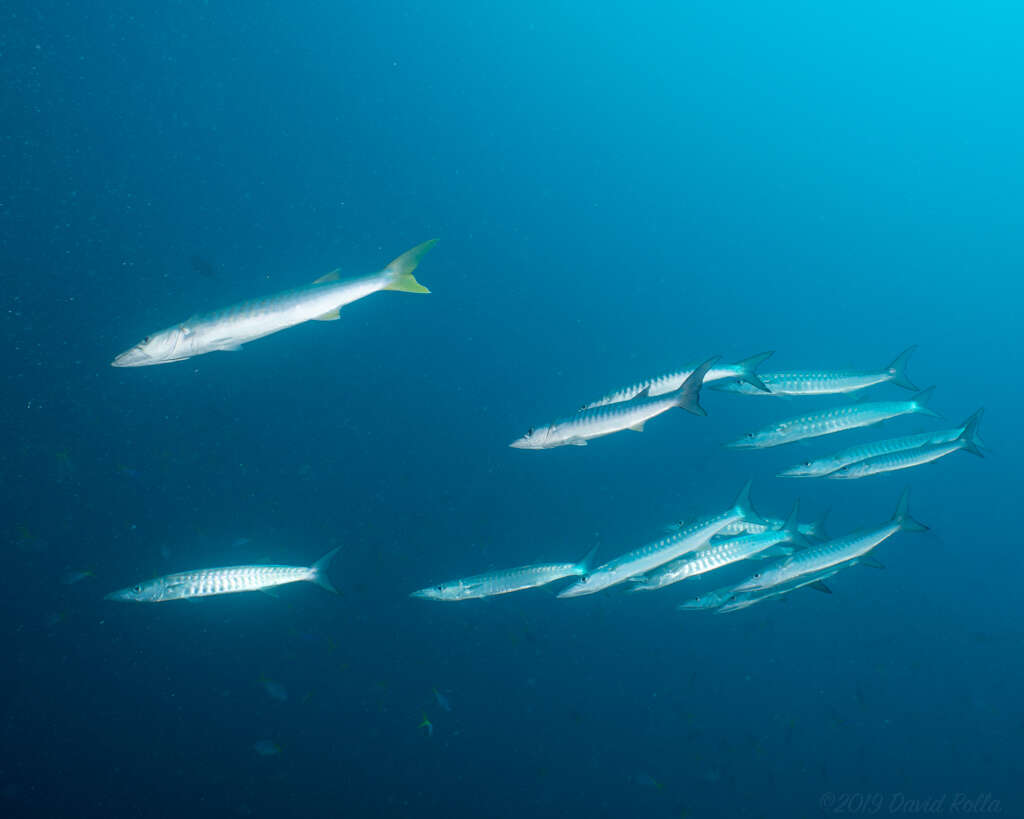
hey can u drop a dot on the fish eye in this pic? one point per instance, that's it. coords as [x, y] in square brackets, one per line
[438, 588]
[750, 434]
[137, 589]
[807, 463]
[530, 431]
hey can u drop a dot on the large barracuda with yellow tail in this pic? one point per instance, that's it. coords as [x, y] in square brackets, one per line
[230, 328]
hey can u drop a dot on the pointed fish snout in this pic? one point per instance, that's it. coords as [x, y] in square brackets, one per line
[130, 358]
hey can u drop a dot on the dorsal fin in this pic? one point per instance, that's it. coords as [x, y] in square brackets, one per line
[333, 276]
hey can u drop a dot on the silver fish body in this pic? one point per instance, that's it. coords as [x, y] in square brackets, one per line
[576, 430]
[826, 382]
[905, 459]
[713, 557]
[659, 552]
[224, 580]
[825, 466]
[503, 581]
[744, 600]
[833, 552]
[230, 328]
[814, 529]
[744, 370]
[830, 421]
[709, 600]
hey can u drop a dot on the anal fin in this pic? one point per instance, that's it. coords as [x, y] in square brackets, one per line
[330, 315]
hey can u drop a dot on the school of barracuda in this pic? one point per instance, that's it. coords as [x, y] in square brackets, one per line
[789, 554]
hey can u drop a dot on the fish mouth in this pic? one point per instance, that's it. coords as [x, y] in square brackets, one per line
[131, 358]
[134, 358]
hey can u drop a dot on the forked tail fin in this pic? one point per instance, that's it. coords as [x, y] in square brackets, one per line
[747, 369]
[320, 571]
[969, 436]
[792, 527]
[920, 402]
[902, 517]
[897, 369]
[402, 267]
[818, 529]
[744, 507]
[688, 395]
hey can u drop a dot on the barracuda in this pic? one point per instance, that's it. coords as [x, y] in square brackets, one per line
[224, 580]
[709, 600]
[505, 581]
[605, 420]
[743, 370]
[911, 457]
[876, 449]
[825, 382]
[815, 580]
[833, 552]
[815, 529]
[660, 552]
[230, 328]
[837, 419]
[724, 553]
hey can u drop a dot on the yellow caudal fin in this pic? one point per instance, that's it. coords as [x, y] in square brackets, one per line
[402, 267]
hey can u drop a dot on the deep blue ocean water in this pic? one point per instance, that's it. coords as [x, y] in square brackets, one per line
[619, 190]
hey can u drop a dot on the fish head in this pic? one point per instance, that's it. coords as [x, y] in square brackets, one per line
[731, 385]
[807, 469]
[168, 345]
[848, 471]
[442, 591]
[149, 592]
[587, 585]
[751, 440]
[535, 438]
[708, 600]
[757, 581]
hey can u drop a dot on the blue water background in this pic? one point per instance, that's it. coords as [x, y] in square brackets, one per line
[619, 190]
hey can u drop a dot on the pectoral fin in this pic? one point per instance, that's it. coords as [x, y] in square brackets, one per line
[638, 427]
[330, 315]
[819, 586]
